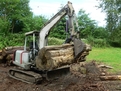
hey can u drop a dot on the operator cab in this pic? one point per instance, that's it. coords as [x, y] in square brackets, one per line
[31, 41]
[25, 58]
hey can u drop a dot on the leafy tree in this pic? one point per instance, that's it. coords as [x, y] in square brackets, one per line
[4, 25]
[13, 12]
[100, 33]
[33, 23]
[59, 30]
[86, 25]
[112, 8]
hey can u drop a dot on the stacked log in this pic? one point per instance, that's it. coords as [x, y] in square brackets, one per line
[51, 57]
[6, 54]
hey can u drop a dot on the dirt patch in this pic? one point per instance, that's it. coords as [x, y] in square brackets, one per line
[83, 77]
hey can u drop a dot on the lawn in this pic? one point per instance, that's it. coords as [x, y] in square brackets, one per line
[109, 56]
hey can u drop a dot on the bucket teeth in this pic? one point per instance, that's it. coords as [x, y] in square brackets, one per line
[57, 73]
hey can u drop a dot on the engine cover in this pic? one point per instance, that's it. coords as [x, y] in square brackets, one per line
[22, 59]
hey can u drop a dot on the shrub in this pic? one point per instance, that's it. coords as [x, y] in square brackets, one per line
[97, 42]
[55, 41]
[11, 40]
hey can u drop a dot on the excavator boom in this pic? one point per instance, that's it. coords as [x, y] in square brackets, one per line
[66, 10]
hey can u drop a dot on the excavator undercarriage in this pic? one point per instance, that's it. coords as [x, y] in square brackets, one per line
[36, 76]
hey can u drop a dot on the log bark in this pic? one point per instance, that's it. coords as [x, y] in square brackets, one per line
[51, 57]
[111, 77]
[56, 53]
[7, 53]
[13, 47]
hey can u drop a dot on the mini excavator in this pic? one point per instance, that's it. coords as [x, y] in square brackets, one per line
[50, 62]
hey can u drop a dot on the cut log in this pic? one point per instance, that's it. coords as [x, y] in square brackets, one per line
[105, 66]
[7, 53]
[52, 57]
[111, 77]
[13, 47]
[56, 53]
[10, 50]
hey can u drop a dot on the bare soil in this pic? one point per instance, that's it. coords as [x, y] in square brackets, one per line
[82, 78]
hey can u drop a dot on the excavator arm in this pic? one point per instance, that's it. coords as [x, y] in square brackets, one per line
[66, 10]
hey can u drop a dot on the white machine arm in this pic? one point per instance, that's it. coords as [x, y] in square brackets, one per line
[44, 32]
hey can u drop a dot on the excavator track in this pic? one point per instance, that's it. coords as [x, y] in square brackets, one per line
[25, 76]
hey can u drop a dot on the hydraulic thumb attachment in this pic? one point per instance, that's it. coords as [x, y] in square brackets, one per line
[81, 50]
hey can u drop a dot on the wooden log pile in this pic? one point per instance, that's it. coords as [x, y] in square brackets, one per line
[6, 54]
[51, 57]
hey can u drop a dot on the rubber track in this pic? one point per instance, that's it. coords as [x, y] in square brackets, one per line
[25, 76]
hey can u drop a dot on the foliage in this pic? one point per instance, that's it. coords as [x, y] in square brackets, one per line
[18, 40]
[11, 40]
[59, 30]
[16, 17]
[4, 25]
[112, 8]
[13, 11]
[97, 42]
[33, 23]
[86, 25]
[55, 41]
[100, 33]
[96, 36]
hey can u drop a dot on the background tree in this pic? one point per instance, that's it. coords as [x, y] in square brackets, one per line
[59, 30]
[100, 33]
[112, 8]
[13, 12]
[33, 23]
[87, 26]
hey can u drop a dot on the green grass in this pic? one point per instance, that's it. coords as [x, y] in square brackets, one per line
[109, 56]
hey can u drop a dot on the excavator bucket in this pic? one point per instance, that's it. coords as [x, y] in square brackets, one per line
[57, 73]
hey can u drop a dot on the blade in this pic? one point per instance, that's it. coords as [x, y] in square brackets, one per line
[57, 73]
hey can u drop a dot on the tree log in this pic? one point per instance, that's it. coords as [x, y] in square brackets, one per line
[13, 47]
[7, 53]
[111, 77]
[56, 53]
[50, 57]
